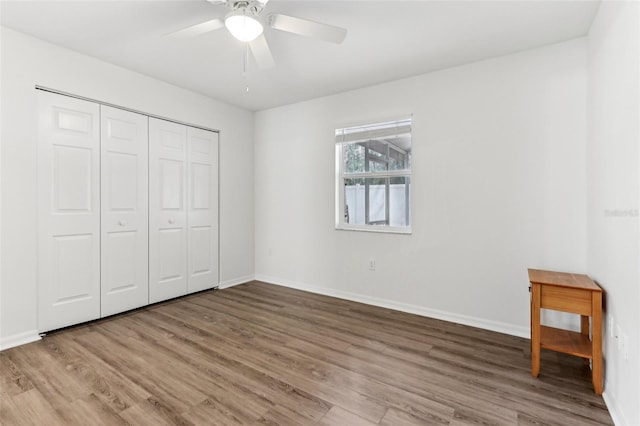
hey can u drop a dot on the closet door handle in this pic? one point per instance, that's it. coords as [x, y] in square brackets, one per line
[121, 223]
[170, 221]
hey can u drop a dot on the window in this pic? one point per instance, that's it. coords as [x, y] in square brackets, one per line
[373, 177]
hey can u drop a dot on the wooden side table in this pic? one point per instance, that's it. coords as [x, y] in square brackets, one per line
[574, 293]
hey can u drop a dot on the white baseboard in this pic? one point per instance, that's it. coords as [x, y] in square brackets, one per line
[236, 281]
[486, 324]
[618, 417]
[19, 339]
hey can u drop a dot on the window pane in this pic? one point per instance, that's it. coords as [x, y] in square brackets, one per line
[353, 158]
[366, 201]
[376, 156]
[377, 166]
[354, 201]
[377, 189]
[399, 190]
[399, 160]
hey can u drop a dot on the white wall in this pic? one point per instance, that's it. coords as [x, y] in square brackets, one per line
[26, 62]
[499, 186]
[614, 194]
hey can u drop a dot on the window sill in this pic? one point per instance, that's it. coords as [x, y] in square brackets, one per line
[376, 229]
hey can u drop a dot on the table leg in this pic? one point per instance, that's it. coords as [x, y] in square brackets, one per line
[584, 324]
[584, 329]
[535, 329]
[596, 341]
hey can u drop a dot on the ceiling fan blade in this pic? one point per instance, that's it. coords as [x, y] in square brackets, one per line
[197, 29]
[307, 28]
[262, 53]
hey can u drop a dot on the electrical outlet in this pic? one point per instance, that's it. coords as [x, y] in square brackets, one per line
[372, 264]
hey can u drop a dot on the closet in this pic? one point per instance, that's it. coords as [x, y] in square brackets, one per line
[184, 210]
[128, 210]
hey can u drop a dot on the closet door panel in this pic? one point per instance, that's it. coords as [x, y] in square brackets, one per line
[124, 208]
[68, 211]
[168, 210]
[203, 209]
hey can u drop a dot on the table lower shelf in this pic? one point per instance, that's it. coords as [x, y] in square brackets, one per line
[569, 342]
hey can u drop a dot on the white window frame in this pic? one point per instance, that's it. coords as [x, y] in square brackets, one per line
[372, 131]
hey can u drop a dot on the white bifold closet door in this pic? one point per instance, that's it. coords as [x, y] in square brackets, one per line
[68, 211]
[183, 209]
[167, 210]
[202, 206]
[124, 210]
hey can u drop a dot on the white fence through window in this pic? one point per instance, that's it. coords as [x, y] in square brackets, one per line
[355, 200]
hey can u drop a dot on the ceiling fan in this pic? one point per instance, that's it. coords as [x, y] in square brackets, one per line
[245, 22]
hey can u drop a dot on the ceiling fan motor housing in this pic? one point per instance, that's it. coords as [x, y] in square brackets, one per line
[254, 7]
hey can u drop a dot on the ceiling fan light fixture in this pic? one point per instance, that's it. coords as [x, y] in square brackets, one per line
[242, 26]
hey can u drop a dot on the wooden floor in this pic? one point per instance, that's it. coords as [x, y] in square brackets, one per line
[263, 354]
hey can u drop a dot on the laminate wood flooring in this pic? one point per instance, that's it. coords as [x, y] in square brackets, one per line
[263, 354]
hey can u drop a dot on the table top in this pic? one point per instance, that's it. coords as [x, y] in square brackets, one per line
[563, 279]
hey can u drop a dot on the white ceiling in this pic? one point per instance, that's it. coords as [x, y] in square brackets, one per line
[386, 40]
